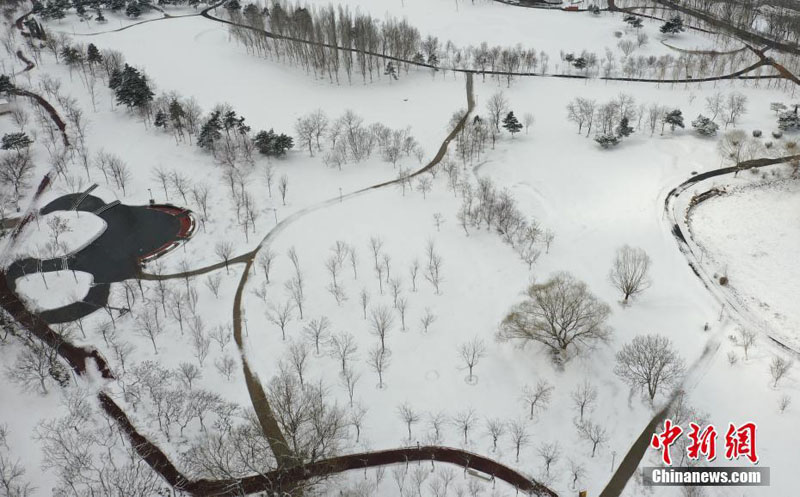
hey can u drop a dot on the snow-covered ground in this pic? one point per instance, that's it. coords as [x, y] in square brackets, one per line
[55, 289]
[750, 235]
[57, 234]
[593, 200]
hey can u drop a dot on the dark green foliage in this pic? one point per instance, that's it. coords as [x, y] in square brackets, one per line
[624, 129]
[210, 132]
[16, 141]
[130, 87]
[607, 140]
[705, 126]
[133, 10]
[271, 144]
[674, 118]
[789, 120]
[512, 124]
[5, 84]
[93, 54]
[673, 26]
[160, 120]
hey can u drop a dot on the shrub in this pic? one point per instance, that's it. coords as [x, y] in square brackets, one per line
[757, 133]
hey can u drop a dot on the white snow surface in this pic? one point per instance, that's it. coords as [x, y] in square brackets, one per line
[43, 291]
[593, 200]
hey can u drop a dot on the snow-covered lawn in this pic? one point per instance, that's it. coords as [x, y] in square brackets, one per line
[57, 234]
[593, 200]
[52, 290]
[751, 235]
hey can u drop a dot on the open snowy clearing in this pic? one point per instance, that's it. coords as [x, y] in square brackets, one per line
[750, 235]
[51, 290]
[57, 234]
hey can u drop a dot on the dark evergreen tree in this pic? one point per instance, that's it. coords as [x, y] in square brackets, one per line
[673, 26]
[133, 10]
[210, 132]
[71, 56]
[16, 141]
[705, 126]
[160, 120]
[607, 140]
[100, 17]
[5, 84]
[580, 63]
[390, 70]
[418, 58]
[674, 118]
[130, 87]
[282, 144]
[93, 54]
[624, 130]
[176, 114]
[271, 144]
[233, 6]
[511, 124]
[789, 120]
[116, 4]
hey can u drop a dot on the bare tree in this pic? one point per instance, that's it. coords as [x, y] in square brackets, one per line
[471, 352]
[317, 331]
[283, 187]
[649, 362]
[188, 373]
[519, 435]
[298, 357]
[434, 269]
[464, 420]
[560, 313]
[735, 107]
[379, 359]
[584, 397]
[225, 365]
[427, 319]
[414, 271]
[745, 339]
[224, 250]
[343, 347]
[381, 321]
[783, 403]
[424, 185]
[212, 282]
[349, 380]
[436, 423]
[149, 326]
[593, 433]
[363, 298]
[550, 453]
[402, 307]
[408, 415]
[265, 259]
[576, 471]
[629, 273]
[527, 120]
[497, 107]
[281, 316]
[537, 398]
[495, 428]
[778, 369]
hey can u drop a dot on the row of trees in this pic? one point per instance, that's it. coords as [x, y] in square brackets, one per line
[348, 139]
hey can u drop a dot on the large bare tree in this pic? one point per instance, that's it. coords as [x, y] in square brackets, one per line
[561, 314]
[630, 272]
[649, 362]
